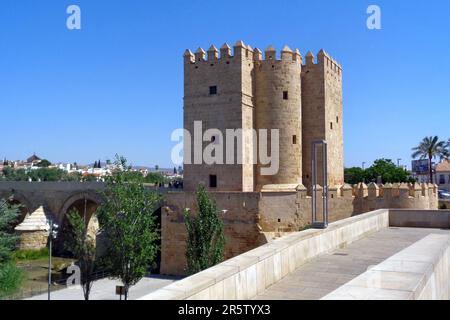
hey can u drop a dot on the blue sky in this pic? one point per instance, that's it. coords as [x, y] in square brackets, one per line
[115, 86]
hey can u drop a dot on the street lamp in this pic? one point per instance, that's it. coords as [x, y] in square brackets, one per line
[52, 233]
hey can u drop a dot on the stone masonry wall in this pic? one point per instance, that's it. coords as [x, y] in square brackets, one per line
[231, 107]
[303, 101]
[279, 107]
[32, 240]
[240, 222]
[322, 112]
[255, 218]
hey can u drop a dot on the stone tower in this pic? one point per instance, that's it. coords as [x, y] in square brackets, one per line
[322, 116]
[219, 92]
[247, 91]
[278, 99]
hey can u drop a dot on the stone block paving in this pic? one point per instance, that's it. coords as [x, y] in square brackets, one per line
[328, 272]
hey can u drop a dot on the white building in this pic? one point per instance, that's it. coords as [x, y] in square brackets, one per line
[443, 175]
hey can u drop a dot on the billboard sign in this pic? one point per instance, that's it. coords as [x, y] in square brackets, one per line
[420, 166]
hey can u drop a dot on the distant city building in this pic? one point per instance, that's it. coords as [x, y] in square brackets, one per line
[34, 159]
[443, 175]
[98, 170]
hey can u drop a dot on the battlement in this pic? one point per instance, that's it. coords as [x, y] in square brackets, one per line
[243, 87]
[286, 54]
[323, 59]
[396, 190]
[240, 50]
[377, 191]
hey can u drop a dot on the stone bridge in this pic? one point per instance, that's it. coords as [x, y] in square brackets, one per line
[56, 197]
[39, 201]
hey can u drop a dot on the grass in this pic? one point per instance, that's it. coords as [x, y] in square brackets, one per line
[305, 227]
[36, 275]
[29, 255]
[27, 273]
[11, 278]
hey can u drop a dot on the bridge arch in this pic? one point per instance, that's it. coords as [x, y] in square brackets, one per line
[85, 203]
[82, 201]
[25, 206]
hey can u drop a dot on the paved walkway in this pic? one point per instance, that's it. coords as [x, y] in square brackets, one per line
[105, 289]
[326, 273]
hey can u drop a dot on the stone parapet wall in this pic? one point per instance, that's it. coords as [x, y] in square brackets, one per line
[240, 222]
[249, 274]
[255, 218]
[288, 211]
[404, 195]
[419, 272]
[407, 218]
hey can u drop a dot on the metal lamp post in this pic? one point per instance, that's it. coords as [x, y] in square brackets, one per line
[315, 223]
[51, 235]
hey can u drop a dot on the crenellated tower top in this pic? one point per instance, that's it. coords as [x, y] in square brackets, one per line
[241, 51]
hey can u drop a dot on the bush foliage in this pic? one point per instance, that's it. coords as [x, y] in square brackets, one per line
[206, 240]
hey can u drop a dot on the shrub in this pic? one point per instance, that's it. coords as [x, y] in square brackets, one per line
[28, 254]
[305, 227]
[11, 278]
[206, 240]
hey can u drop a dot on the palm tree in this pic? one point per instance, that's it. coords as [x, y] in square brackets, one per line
[447, 150]
[431, 147]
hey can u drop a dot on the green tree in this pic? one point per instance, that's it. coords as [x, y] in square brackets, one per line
[206, 240]
[446, 151]
[73, 176]
[431, 148]
[10, 276]
[44, 163]
[8, 173]
[354, 175]
[82, 246]
[388, 171]
[155, 178]
[47, 174]
[8, 216]
[127, 222]
[381, 168]
[89, 178]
